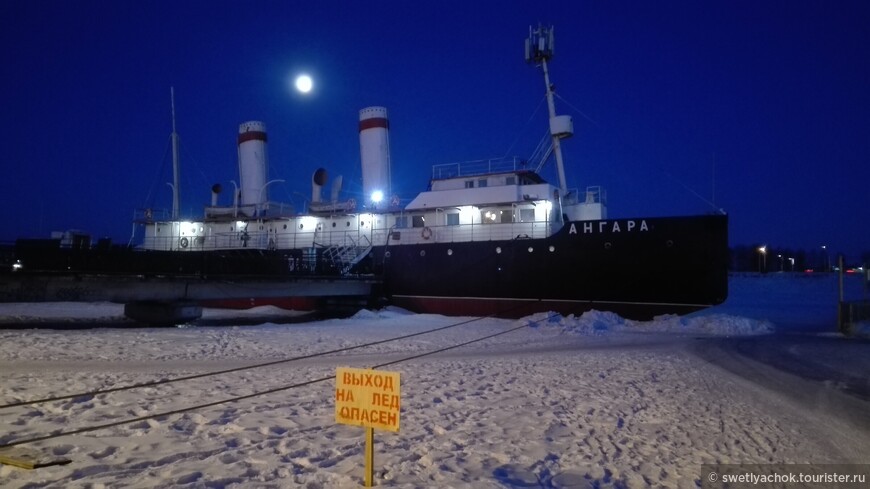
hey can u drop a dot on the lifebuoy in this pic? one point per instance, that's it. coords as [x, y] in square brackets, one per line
[427, 233]
[183, 242]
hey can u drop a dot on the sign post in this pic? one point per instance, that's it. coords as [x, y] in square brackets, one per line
[371, 399]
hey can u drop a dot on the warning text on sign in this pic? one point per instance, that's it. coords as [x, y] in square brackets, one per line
[368, 398]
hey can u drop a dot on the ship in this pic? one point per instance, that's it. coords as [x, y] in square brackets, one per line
[486, 238]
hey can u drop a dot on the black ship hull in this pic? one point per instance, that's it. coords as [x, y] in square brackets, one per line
[638, 268]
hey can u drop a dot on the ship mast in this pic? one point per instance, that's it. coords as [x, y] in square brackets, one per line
[539, 49]
[175, 169]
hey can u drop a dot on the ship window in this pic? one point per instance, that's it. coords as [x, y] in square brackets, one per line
[481, 183]
[285, 226]
[453, 219]
[401, 222]
[510, 180]
[488, 217]
[527, 215]
[333, 224]
[469, 184]
[507, 216]
[418, 221]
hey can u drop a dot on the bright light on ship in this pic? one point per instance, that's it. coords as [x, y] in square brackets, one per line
[377, 196]
[308, 222]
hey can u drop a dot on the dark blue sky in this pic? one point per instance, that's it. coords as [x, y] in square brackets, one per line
[773, 98]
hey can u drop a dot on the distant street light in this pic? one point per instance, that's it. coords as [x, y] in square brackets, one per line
[762, 259]
[824, 258]
[781, 262]
[791, 260]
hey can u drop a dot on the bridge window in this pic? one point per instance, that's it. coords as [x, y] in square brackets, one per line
[418, 221]
[527, 215]
[453, 219]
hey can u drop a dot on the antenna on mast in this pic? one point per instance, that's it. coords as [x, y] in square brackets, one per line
[175, 169]
[539, 49]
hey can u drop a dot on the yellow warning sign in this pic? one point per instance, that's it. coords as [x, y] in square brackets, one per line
[368, 398]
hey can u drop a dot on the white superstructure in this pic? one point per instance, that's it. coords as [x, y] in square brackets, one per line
[470, 201]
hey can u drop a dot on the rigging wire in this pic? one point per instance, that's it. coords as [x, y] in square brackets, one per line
[149, 198]
[522, 130]
[569, 104]
[267, 391]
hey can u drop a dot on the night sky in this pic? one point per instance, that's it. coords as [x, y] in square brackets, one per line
[761, 108]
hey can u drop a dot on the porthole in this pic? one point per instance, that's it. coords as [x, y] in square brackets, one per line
[607, 245]
[498, 249]
[301, 226]
[669, 243]
[387, 254]
[422, 252]
[347, 224]
[531, 249]
[285, 226]
[449, 252]
[333, 224]
[552, 248]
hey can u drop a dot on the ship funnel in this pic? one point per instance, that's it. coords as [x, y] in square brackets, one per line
[318, 180]
[374, 147]
[252, 163]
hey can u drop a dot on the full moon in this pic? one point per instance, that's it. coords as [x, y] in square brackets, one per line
[304, 83]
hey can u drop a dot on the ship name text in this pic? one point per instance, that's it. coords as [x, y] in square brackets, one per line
[602, 227]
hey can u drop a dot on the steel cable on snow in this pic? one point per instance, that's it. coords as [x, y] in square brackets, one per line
[236, 369]
[267, 391]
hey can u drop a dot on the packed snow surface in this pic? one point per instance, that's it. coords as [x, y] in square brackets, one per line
[588, 401]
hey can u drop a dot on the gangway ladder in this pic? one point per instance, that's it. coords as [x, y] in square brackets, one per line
[345, 256]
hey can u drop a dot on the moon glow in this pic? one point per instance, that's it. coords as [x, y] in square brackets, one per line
[304, 83]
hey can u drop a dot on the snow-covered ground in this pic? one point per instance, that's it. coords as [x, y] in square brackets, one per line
[590, 401]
